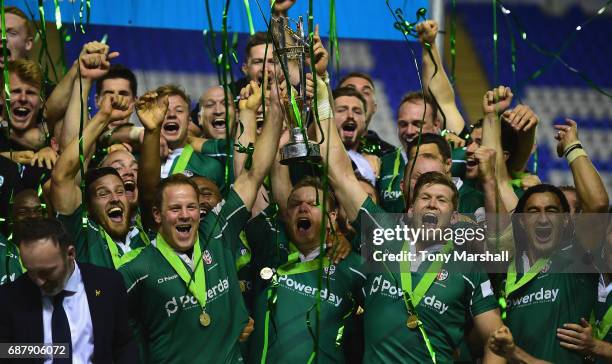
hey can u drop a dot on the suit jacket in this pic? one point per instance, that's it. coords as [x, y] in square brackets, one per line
[21, 315]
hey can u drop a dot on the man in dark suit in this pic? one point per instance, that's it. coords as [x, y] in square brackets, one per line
[61, 301]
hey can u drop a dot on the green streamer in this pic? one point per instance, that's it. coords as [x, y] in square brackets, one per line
[333, 37]
[58, 15]
[225, 68]
[247, 7]
[453, 38]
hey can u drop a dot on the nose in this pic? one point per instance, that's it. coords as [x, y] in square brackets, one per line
[432, 204]
[219, 109]
[21, 97]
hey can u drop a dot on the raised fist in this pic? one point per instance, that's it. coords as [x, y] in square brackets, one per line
[427, 31]
[501, 342]
[115, 107]
[251, 95]
[497, 100]
[521, 118]
[566, 135]
[486, 162]
[151, 110]
[95, 65]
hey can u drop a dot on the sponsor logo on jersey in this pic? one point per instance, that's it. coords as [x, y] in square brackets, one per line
[310, 291]
[185, 301]
[189, 301]
[386, 288]
[392, 195]
[166, 279]
[541, 296]
[11, 278]
[207, 257]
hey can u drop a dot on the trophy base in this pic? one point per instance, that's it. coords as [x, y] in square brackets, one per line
[300, 152]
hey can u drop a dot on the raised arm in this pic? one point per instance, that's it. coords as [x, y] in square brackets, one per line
[524, 122]
[151, 111]
[589, 185]
[65, 191]
[57, 103]
[248, 182]
[341, 174]
[592, 225]
[495, 102]
[435, 80]
[92, 66]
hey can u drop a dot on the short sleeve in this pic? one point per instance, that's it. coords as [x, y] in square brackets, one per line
[482, 297]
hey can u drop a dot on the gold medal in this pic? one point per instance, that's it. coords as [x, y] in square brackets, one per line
[242, 286]
[412, 322]
[204, 319]
[266, 273]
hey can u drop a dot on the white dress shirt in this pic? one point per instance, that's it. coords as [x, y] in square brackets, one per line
[165, 168]
[363, 166]
[77, 311]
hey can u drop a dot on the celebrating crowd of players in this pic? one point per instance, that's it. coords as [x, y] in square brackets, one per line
[228, 255]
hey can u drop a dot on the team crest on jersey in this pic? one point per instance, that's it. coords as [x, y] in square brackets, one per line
[331, 269]
[207, 257]
[442, 275]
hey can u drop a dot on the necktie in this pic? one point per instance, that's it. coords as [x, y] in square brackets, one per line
[60, 329]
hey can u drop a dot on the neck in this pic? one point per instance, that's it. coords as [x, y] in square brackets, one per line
[307, 249]
[178, 144]
[533, 256]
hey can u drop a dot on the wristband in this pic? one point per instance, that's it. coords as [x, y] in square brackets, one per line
[135, 133]
[324, 109]
[569, 146]
[575, 153]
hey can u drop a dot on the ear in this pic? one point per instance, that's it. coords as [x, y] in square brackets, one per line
[448, 165]
[98, 100]
[506, 155]
[244, 68]
[454, 218]
[71, 252]
[333, 216]
[29, 44]
[156, 215]
[201, 117]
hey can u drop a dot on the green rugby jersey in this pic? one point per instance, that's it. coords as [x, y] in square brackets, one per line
[288, 337]
[91, 244]
[535, 310]
[168, 314]
[217, 149]
[201, 164]
[444, 309]
[10, 265]
[471, 196]
[391, 174]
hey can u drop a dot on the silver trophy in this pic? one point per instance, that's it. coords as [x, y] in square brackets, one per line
[292, 46]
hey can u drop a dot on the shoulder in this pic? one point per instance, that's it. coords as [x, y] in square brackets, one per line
[352, 265]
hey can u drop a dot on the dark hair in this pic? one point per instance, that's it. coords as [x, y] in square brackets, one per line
[509, 137]
[431, 138]
[256, 39]
[18, 12]
[350, 92]
[118, 71]
[520, 236]
[92, 175]
[415, 97]
[173, 180]
[362, 75]
[28, 71]
[310, 181]
[30, 230]
[436, 178]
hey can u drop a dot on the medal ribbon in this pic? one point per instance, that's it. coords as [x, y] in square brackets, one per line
[112, 247]
[141, 230]
[181, 162]
[293, 267]
[602, 329]
[511, 283]
[196, 283]
[246, 258]
[425, 282]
